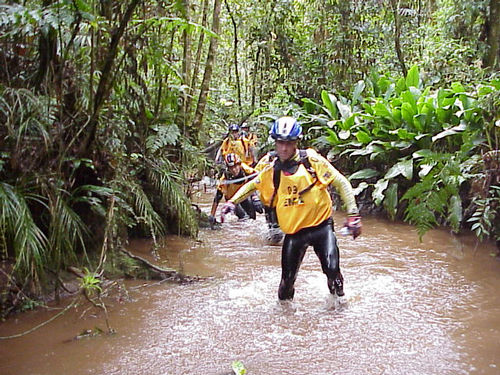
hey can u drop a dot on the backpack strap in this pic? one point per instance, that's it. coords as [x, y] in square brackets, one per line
[276, 176]
[304, 160]
[307, 164]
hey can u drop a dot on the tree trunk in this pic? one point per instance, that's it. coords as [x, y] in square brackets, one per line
[255, 74]
[163, 79]
[236, 72]
[493, 35]
[186, 70]
[209, 65]
[397, 35]
[47, 50]
[93, 41]
[199, 50]
[104, 87]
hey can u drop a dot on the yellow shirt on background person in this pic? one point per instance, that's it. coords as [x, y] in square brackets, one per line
[252, 139]
[239, 146]
[229, 189]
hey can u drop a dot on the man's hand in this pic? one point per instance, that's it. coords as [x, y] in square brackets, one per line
[257, 204]
[226, 208]
[353, 225]
[213, 221]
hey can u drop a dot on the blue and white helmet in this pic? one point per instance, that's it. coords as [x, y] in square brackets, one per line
[286, 129]
[233, 128]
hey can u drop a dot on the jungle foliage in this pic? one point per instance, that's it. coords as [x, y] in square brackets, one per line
[91, 152]
[105, 107]
[419, 153]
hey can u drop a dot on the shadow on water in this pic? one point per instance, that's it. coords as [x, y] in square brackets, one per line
[410, 308]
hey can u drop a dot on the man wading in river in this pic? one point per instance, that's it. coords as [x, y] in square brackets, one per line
[295, 184]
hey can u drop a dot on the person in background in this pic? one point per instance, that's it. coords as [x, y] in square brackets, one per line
[234, 143]
[252, 141]
[236, 175]
[295, 183]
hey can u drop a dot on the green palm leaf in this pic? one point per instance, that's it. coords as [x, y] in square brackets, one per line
[144, 211]
[170, 190]
[21, 234]
[66, 232]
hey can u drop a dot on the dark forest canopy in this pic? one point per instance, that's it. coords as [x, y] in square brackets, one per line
[106, 107]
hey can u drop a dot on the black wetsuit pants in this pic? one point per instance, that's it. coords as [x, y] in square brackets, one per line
[244, 208]
[324, 243]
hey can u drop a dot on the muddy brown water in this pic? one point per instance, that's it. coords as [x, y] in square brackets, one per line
[410, 308]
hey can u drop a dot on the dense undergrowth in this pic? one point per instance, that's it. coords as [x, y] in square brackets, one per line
[87, 158]
[427, 155]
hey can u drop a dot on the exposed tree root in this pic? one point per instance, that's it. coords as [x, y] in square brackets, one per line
[160, 273]
[73, 303]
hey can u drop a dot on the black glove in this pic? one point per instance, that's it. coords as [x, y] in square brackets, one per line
[257, 204]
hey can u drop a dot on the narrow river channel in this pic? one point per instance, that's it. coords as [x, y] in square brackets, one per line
[411, 307]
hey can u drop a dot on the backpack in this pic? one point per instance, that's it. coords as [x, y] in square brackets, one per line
[304, 160]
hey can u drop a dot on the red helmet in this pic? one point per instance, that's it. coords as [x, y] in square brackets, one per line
[232, 159]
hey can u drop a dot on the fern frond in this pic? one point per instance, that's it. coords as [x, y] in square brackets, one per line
[66, 232]
[421, 214]
[144, 211]
[165, 135]
[22, 235]
[29, 115]
[437, 200]
[172, 194]
[436, 196]
[417, 190]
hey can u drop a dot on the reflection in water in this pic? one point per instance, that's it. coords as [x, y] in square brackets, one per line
[410, 308]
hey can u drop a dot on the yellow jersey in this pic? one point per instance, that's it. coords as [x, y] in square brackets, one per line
[297, 211]
[252, 139]
[229, 189]
[239, 146]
